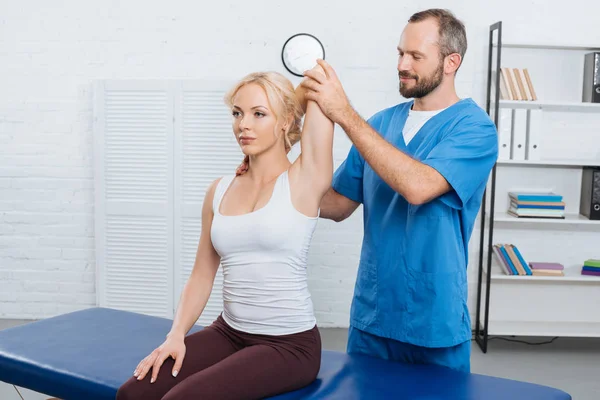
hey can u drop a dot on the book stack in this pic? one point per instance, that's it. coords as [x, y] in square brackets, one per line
[546, 268]
[515, 84]
[510, 259]
[591, 267]
[536, 205]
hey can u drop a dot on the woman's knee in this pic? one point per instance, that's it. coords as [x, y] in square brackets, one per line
[311, 375]
[177, 394]
[136, 390]
[128, 391]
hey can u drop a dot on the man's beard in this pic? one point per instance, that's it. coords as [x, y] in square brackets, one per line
[423, 86]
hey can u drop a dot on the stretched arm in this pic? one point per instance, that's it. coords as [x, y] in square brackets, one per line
[313, 170]
[418, 183]
[316, 158]
[199, 285]
[337, 207]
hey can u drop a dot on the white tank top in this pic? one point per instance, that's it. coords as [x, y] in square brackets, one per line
[264, 258]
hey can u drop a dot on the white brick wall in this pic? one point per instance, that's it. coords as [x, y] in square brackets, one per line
[51, 51]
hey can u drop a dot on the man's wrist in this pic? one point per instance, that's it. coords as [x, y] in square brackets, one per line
[348, 119]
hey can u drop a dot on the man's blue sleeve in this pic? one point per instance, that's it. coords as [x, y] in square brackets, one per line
[465, 159]
[348, 178]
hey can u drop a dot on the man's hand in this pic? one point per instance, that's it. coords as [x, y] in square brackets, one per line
[243, 167]
[327, 92]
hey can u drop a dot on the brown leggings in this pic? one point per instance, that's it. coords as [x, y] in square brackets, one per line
[224, 363]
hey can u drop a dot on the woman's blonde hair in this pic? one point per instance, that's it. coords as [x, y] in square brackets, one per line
[282, 98]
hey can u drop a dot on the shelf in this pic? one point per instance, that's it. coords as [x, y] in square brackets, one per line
[565, 162]
[572, 274]
[547, 46]
[569, 219]
[551, 106]
[544, 328]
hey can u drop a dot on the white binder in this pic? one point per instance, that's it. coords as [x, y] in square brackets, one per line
[504, 133]
[534, 135]
[519, 134]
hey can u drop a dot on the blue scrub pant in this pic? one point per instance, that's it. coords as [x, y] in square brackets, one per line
[457, 357]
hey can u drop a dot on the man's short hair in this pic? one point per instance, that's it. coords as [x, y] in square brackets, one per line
[453, 36]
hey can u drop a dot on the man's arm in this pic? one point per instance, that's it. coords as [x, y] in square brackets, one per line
[418, 183]
[336, 207]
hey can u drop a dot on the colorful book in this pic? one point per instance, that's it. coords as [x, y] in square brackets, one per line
[508, 261]
[521, 260]
[537, 206]
[540, 203]
[529, 84]
[536, 213]
[514, 259]
[526, 196]
[501, 261]
[546, 265]
[590, 268]
[504, 260]
[547, 272]
[592, 263]
[592, 273]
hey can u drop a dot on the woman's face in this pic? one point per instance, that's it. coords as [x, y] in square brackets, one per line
[254, 122]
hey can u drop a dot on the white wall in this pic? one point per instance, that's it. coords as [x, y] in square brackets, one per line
[50, 52]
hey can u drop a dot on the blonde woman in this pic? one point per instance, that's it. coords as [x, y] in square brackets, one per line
[258, 224]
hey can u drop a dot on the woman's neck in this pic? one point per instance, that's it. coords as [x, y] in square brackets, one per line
[267, 166]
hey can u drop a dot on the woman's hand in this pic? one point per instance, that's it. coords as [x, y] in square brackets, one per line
[172, 347]
[301, 90]
[327, 91]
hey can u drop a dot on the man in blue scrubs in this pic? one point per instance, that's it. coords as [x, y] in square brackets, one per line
[419, 169]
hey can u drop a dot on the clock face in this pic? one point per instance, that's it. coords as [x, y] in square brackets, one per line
[300, 53]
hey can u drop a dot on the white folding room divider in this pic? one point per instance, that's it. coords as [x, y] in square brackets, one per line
[157, 146]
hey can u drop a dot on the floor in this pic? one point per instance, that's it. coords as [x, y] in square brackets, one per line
[570, 364]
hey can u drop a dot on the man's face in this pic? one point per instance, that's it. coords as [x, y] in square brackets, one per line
[420, 66]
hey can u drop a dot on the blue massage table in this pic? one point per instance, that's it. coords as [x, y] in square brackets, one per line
[88, 354]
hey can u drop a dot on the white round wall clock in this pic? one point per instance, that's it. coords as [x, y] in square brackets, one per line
[300, 53]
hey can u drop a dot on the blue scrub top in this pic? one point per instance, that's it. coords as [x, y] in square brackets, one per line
[412, 278]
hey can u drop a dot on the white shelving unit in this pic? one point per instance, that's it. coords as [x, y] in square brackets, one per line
[552, 163]
[575, 219]
[544, 305]
[566, 305]
[548, 46]
[551, 106]
[571, 275]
